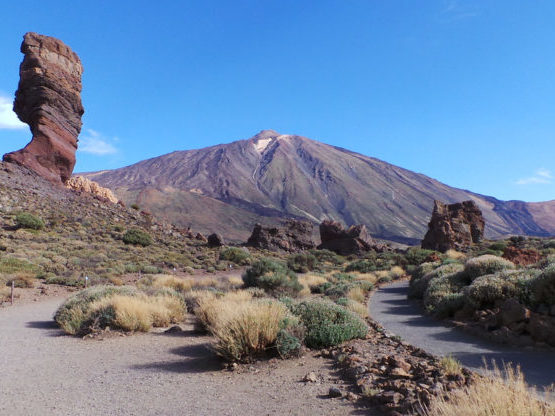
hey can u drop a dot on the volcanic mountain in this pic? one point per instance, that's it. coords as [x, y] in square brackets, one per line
[229, 187]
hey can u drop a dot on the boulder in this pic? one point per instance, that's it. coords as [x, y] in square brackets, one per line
[293, 236]
[521, 256]
[215, 240]
[542, 328]
[48, 98]
[455, 226]
[82, 184]
[354, 240]
[512, 311]
[200, 237]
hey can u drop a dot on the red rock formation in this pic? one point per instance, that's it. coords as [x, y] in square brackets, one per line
[521, 256]
[48, 99]
[293, 237]
[354, 240]
[455, 226]
[82, 184]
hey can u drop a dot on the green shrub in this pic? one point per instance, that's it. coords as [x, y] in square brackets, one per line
[135, 207]
[273, 277]
[449, 304]
[302, 262]
[423, 269]
[361, 266]
[419, 285]
[441, 291]
[235, 255]
[28, 220]
[498, 246]
[290, 337]
[328, 324]
[486, 290]
[328, 256]
[416, 255]
[543, 286]
[138, 237]
[486, 264]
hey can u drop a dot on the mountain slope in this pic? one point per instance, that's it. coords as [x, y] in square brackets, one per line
[229, 187]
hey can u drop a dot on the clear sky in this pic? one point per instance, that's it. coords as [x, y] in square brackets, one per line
[462, 91]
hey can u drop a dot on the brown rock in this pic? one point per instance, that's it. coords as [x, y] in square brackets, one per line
[354, 240]
[293, 236]
[82, 184]
[542, 328]
[455, 226]
[512, 311]
[48, 99]
[215, 240]
[200, 237]
[521, 256]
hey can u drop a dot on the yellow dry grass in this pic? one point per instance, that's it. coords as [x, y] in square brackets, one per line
[4, 293]
[235, 281]
[309, 281]
[247, 328]
[357, 294]
[209, 306]
[454, 254]
[367, 277]
[358, 308]
[396, 272]
[450, 365]
[505, 393]
[140, 313]
[173, 282]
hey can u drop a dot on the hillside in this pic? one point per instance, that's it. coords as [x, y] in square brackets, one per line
[229, 187]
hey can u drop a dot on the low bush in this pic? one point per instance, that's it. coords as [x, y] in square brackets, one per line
[21, 280]
[273, 277]
[328, 324]
[442, 296]
[327, 256]
[29, 221]
[290, 338]
[543, 286]
[302, 262]
[486, 290]
[137, 237]
[236, 255]
[486, 264]
[418, 285]
[119, 307]
[362, 266]
[417, 256]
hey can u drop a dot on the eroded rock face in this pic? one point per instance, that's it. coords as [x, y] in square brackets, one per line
[48, 98]
[354, 240]
[521, 256]
[82, 184]
[455, 226]
[294, 236]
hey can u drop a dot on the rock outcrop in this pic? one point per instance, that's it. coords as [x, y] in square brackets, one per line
[521, 256]
[354, 240]
[455, 226]
[293, 236]
[82, 184]
[48, 99]
[215, 240]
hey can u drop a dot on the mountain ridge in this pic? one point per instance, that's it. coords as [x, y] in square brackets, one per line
[271, 176]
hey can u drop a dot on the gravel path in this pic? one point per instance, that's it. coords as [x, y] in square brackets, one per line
[44, 372]
[390, 307]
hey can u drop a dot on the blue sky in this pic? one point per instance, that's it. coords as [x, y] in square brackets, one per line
[462, 91]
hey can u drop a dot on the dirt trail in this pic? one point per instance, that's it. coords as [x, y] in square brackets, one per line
[390, 307]
[44, 372]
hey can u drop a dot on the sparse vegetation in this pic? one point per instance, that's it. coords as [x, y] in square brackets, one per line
[236, 255]
[274, 277]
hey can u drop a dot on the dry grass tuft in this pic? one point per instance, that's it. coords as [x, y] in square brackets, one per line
[359, 308]
[4, 294]
[451, 366]
[357, 294]
[140, 313]
[366, 277]
[396, 272]
[235, 281]
[208, 307]
[309, 281]
[505, 393]
[173, 282]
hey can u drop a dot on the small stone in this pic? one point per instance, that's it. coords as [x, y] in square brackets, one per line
[310, 377]
[352, 396]
[334, 392]
[173, 330]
